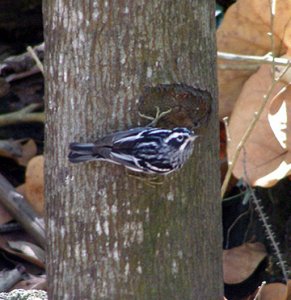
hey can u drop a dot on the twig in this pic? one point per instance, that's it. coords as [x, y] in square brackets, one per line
[225, 121]
[242, 67]
[265, 59]
[10, 227]
[269, 231]
[36, 59]
[19, 208]
[17, 76]
[270, 234]
[21, 63]
[232, 226]
[260, 290]
[272, 4]
[23, 115]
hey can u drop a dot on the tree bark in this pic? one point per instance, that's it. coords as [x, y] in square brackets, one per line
[111, 235]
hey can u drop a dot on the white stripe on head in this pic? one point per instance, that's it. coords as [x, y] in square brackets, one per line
[157, 130]
[174, 135]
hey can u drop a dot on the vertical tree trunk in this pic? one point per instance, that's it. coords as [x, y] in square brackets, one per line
[110, 235]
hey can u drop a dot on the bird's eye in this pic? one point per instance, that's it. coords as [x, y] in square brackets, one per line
[180, 138]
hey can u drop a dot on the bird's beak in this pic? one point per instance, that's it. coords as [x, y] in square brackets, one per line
[194, 137]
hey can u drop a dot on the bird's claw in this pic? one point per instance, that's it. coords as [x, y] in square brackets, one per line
[158, 116]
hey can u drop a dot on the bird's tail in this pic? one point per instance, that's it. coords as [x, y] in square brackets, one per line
[81, 152]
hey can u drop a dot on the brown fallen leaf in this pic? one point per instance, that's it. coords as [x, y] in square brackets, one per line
[244, 30]
[289, 289]
[34, 183]
[32, 283]
[273, 291]
[32, 265]
[32, 252]
[32, 255]
[21, 189]
[266, 155]
[240, 262]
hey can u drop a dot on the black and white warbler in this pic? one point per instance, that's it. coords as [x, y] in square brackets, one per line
[142, 149]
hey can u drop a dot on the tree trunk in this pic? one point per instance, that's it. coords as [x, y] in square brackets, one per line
[111, 235]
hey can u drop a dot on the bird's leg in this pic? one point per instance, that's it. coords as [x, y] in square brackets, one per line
[155, 120]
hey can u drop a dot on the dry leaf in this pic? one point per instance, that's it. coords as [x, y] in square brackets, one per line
[240, 262]
[244, 30]
[34, 183]
[266, 156]
[37, 258]
[37, 263]
[274, 291]
[289, 289]
[21, 189]
[32, 283]
[30, 251]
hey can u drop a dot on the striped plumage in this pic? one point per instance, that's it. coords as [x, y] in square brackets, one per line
[142, 149]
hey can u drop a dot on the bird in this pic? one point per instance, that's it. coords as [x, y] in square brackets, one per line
[148, 150]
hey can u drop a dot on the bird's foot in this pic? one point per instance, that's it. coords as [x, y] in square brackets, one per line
[155, 120]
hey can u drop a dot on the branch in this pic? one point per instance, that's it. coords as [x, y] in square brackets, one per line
[243, 67]
[23, 115]
[19, 208]
[270, 234]
[22, 63]
[266, 59]
[35, 57]
[260, 290]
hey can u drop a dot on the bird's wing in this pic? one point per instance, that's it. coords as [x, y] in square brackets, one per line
[109, 140]
[121, 143]
[126, 160]
[133, 138]
[125, 148]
